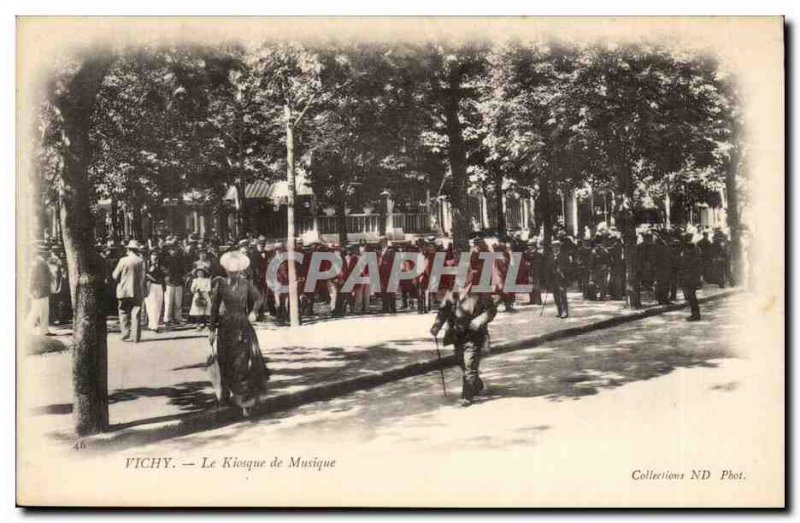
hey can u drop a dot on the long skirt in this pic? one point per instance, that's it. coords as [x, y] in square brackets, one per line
[153, 304]
[244, 373]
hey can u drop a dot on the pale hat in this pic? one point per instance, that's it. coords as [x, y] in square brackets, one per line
[197, 269]
[134, 245]
[234, 261]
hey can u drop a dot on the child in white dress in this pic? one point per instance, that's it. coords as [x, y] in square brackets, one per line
[201, 298]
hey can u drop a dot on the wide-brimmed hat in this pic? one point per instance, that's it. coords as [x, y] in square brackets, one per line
[234, 261]
[133, 245]
[206, 270]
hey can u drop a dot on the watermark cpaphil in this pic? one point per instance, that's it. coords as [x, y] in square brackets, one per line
[326, 265]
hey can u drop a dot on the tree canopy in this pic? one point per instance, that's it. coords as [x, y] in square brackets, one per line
[411, 119]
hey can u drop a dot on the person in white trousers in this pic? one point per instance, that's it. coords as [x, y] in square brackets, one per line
[174, 303]
[173, 296]
[154, 301]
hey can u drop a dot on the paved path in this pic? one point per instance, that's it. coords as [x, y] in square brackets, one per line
[163, 378]
[565, 423]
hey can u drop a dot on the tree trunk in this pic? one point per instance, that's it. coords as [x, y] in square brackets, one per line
[294, 316]
[484, 210]
[341, 222]
[625, 221]
[89, 362]
[382, 218]
[137, 223]
[114, 215]
[733, 216]
[457, 156]
[546, 211]
[58, 217]
[500, 205]
[242, 223]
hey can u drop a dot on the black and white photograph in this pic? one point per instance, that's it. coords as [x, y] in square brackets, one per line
[400, 262]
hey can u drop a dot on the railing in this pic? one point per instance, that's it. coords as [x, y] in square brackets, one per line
[363, 223]
[366, 223]
[412, 222]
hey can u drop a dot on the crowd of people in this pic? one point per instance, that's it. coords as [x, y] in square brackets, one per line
[223, 288]
[178, 274]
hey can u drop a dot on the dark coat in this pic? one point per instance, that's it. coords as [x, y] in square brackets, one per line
[662, 261]
[458, 314]
[691, 266]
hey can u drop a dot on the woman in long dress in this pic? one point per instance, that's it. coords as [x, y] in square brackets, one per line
[242, 368]
[154, 301]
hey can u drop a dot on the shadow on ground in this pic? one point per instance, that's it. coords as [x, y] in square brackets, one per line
[291, 368]
[567, 370]
[559, 371]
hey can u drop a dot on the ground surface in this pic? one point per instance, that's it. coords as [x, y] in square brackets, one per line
[568, 423]
[163, 377]
[650, 366]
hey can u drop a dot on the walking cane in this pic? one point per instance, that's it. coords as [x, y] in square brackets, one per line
[441, 370]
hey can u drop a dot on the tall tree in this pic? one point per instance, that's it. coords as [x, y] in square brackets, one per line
[74, 97]
[366, 137]
[454, 72]
[531, 133]
[731, 153]
[642, 111]
[289, 79]
[240, 133]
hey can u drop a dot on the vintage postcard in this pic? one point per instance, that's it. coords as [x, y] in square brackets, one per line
[409, 262]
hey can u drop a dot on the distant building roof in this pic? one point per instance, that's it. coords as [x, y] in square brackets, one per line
[275, 191]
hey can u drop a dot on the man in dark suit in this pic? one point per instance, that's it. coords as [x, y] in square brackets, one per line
[536, 273]
[704, 247]
[130, 277]
[691, 268]
[615, 250]
[385, 262]
[662, 269]
[559, 263]
[175, 274]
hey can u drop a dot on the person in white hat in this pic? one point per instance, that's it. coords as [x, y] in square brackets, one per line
[243, 371]
[131, 281]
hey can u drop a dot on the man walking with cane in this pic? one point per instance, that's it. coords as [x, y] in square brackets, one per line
[467, 316]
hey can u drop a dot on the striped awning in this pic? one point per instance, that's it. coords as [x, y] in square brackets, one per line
[277, 192]
[259, 189]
